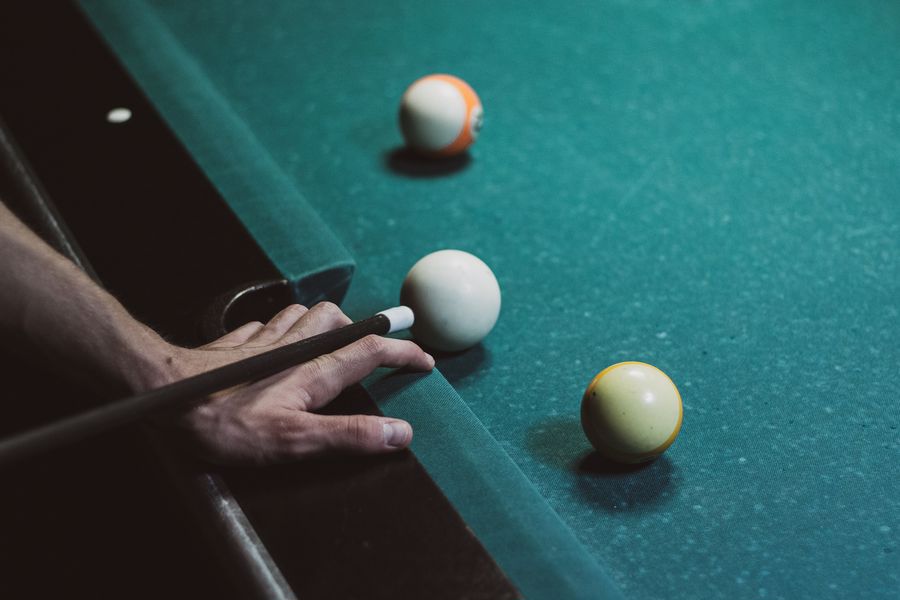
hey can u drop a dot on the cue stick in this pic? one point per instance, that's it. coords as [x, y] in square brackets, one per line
[69, 430]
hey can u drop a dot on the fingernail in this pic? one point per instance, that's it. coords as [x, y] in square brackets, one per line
[395, 434]
[430, 359]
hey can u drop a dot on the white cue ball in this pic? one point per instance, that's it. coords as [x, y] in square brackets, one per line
[631, 412]
[455, 299]
[440, 115]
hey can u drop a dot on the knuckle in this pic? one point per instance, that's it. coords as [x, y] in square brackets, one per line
[325, 372]
[333, 312]
[323, 366]
[357, 431]
[373, 344]
[293, 310]
[328, 308]
[293, 438]
[303, 399]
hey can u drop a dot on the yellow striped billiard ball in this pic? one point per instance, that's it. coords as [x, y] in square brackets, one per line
[631, 412]
[440, 115]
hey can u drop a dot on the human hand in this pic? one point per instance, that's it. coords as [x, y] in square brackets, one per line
[271, 420]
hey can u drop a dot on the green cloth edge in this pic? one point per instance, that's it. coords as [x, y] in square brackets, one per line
[530, 542]
[298, 242]
[517, 526]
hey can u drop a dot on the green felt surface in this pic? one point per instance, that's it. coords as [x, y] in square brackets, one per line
[711, 187]
[523, 533]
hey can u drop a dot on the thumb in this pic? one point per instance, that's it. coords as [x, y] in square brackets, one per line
[363, 434]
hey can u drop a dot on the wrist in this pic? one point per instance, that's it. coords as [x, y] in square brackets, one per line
[151, 362]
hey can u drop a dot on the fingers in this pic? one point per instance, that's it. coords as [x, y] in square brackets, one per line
[322, 317]
[325, 377]
[358, 434]
[292, 323]
[246, 435]
[257, 334]
[268, 421]
[236, 337]
[277, 326]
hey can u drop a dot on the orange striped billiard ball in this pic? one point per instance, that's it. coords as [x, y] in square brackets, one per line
[631, 412]
[440, 115]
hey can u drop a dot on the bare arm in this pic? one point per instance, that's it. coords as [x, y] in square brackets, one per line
[56, 306]
[71, 320]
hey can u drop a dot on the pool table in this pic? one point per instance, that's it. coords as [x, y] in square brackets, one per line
[710, 187]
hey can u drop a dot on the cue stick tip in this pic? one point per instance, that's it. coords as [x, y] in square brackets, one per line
[401, 317]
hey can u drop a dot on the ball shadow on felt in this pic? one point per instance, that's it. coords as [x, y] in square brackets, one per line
[403, 161]
[561, 443]
[458, 366]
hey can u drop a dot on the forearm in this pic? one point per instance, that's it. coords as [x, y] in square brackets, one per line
[65, 315]
[48, 300]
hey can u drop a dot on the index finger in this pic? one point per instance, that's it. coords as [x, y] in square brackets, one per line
[325, 377]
